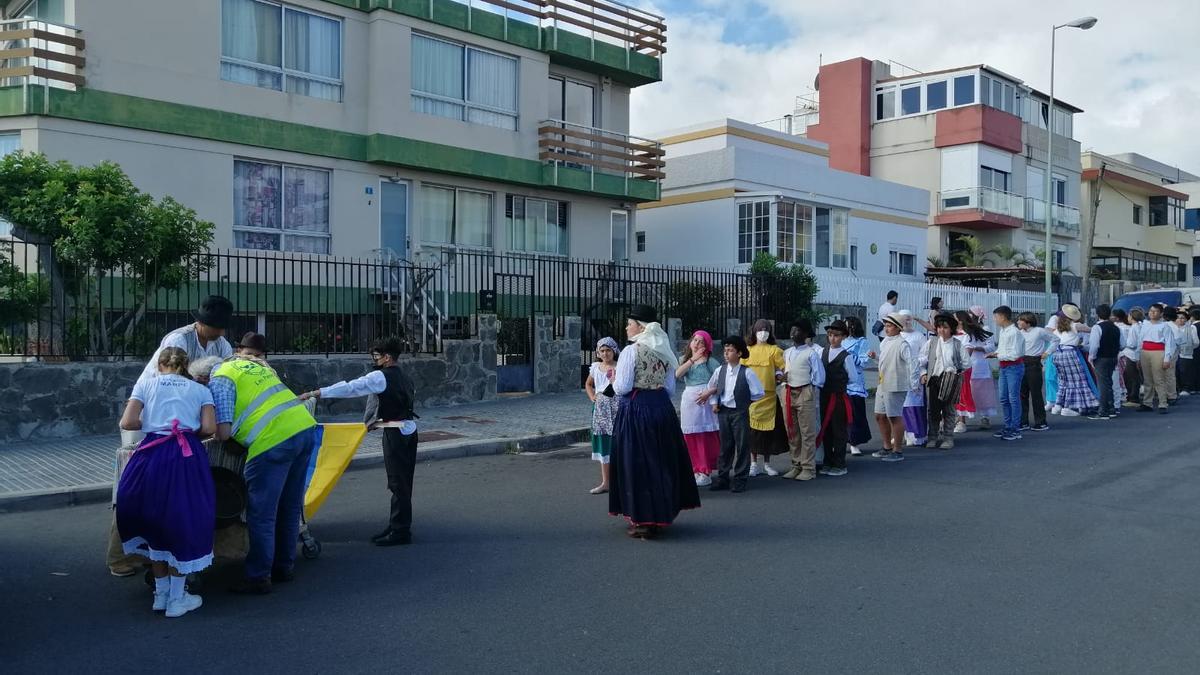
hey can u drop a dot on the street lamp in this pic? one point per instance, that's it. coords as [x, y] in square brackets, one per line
[1082, 24]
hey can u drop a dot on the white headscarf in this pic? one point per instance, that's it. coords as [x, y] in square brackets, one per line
[655, 339]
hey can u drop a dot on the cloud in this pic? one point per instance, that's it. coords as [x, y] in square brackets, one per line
[1133, 73]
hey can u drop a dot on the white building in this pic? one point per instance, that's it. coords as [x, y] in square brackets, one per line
[734, 190]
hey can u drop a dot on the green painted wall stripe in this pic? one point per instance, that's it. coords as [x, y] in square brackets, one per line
[102, 107]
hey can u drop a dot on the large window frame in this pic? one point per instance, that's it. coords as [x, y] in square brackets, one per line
[754, 229]
[903, 263]
[560, 90]
[463, 106]
[995, 179]
[285, 77]
[458, 232]
[284, 207]
[909, 98]
[794, 232]
[619, 222]
[548, 234]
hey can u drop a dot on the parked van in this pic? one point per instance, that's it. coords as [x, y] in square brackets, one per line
[1171, 297]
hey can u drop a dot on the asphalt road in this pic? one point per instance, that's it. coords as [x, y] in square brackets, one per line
[1073, 551]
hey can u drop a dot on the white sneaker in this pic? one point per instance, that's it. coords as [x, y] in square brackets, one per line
[185, 604]
[702, 480]
[854, 451]
[754, 469]
[960, 428]
[1056, 410]
[1067, 412]
[1049, 407]
[1185, 393]
[770, 470]
[160, 602]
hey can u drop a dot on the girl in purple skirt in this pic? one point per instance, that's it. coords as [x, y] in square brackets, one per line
[165, 500]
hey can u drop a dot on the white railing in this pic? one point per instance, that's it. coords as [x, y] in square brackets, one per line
[601, 20]
[1066, 218]
[981, 199]
[34, 52]
[845, 287]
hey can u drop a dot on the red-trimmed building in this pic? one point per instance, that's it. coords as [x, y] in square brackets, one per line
[974, 137]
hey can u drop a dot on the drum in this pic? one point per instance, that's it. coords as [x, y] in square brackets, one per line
[228, 481]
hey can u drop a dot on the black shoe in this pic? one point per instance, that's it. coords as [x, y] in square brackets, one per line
[1040, 427]
[1097, 416]
[718, 485]
[282, 576]
[1144, 408]
[1162, 411]
[381, 535]
[395, 538]
[738, 487]
[251, 587]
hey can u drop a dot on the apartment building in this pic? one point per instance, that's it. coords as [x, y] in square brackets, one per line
[1136, 217]
[350, 127]
[974, 137]
[734, 190]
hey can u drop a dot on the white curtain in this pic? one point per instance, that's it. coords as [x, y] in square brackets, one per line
[517, 239]
[306, 199]
[474, 219]
[437, 214]
[251, 31]
[437, 68]
[840, 245]
[314, 45]
[256, 195]
[492, 82]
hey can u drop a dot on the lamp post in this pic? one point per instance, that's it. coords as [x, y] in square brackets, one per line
[1051, 306]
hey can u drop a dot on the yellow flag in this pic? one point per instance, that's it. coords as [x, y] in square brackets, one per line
[338, 443]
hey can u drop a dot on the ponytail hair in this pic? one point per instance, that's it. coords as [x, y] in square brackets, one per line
[175, 360]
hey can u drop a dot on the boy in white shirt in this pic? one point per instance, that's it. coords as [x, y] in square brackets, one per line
[1010, 351]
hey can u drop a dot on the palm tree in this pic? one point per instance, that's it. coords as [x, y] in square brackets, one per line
[971, 254]
[1010, 255]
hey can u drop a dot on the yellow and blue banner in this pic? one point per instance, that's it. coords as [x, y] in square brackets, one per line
[338, 443]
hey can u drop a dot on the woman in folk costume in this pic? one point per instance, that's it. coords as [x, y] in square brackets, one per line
[983, 385]
[701, 430]
[858, 350]
[971, 334]
[651, 478]
[915, 416]
[165, 499]
[1074, 394]
[599, 388]
[768, 430]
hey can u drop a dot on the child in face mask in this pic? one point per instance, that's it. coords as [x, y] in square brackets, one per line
[768, 431]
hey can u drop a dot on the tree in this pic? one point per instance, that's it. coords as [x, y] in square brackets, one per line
[785, 292]
[694, 303]
[90, 224]
[971, 253]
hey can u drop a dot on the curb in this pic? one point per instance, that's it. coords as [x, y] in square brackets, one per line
[54, 498]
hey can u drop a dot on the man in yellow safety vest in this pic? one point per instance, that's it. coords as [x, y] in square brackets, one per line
[258, 411]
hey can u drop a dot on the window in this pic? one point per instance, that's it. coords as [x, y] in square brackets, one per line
[1168, 211]
[455, 216]
[620, 236]
[754, 230]
[840, 239]
[964, 90]
[985, 90]
[794, 232]
[885, 103]
[572, 102]
[910, 100]
[536, 225]
[279, 207]
[854, 256]
[9, 143]
[280, 47]
[463, 83]
[46, 10]
[1058, 259]
[935, 95]
[1063, 124]
[1058, 189]
[994, 178]
[1137, 214]
[640, 239]
[902, 263]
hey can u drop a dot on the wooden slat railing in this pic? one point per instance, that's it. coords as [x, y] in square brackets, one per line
[35, 49]
[636, 29]
[587, 147]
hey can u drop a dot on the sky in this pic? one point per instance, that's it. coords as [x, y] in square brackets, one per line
[1136, 74]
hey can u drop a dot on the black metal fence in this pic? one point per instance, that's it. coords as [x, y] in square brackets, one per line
[309, 304]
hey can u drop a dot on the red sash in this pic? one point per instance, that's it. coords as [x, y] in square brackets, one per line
[835, 398]
[1153, 347]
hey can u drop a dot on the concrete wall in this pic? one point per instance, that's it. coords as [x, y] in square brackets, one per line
[199, 174]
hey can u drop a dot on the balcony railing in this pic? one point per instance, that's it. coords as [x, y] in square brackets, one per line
[603, 20]
[596, 151]
[1066, 218]
[40, 53]
[980, 199]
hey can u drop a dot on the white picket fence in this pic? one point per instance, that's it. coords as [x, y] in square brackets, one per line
[841, 287]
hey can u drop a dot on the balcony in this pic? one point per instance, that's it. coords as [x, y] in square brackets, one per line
[979, 208]
[34, 52]
[1066, 218]
[594, 160]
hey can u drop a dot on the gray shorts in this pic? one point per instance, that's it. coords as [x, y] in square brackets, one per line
[889, 403]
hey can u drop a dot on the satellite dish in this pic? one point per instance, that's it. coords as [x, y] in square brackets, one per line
[817, 82]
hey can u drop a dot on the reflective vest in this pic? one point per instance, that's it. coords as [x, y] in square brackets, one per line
[266, 413]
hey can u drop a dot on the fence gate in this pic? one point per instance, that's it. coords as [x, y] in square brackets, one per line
[514, 343]
[604, 304]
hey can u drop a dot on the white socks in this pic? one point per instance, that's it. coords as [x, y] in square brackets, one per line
[177, 587]
[161, 585]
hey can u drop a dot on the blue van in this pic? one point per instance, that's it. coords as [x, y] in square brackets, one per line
[1171, 297]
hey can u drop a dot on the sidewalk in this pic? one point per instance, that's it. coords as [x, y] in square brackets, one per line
[54, 473]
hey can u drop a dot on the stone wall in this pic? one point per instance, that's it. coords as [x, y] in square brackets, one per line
[556, 362]
[65, 399]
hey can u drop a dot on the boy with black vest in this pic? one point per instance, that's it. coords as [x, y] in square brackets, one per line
[735, 387]
[1104, 348]
[390, 407]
